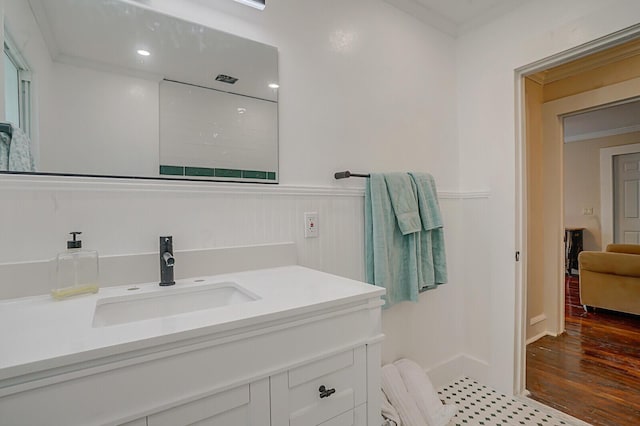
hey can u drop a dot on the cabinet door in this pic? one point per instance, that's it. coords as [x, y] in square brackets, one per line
[246, 405]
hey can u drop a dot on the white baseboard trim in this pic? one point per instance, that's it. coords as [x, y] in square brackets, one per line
[460, 365]
[537, 319]
[540, 336]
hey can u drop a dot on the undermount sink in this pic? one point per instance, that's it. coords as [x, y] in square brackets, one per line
[165, 302]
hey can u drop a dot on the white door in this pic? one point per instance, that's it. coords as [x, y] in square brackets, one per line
[626, 201]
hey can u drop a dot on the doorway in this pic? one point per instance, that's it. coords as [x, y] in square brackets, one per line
[626, 198]
[545, 102]
[607, 187]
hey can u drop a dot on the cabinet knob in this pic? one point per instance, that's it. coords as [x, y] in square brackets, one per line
[324, 392]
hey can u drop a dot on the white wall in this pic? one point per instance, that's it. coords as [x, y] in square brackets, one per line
[487, 58]
[364, 87]
[108, 121]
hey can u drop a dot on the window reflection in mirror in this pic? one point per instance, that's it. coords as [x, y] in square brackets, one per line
[96, 72]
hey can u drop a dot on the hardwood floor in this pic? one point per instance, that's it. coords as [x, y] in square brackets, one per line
[592, 371]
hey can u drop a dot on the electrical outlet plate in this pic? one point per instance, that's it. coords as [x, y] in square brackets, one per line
[311, 229]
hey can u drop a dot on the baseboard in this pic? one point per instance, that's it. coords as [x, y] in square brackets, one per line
[537, 319]
[540, 336]
[460, 365]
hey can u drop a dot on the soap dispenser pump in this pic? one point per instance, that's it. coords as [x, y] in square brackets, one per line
[76, 270]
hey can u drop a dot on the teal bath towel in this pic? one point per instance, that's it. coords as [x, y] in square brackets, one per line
[434, 271]
[401, 254]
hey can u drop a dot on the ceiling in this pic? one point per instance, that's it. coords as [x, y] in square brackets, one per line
[606, 121]
[456, 16]
[105, 34]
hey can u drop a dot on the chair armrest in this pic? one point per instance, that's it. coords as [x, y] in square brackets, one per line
[610, 263]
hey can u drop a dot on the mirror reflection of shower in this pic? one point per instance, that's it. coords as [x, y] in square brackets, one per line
[16, 147]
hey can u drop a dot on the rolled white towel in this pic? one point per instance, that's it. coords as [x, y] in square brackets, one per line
[396, 392]
[388, 412]
[421, 390]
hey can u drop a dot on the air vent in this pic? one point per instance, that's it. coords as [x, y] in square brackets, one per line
[226, 79]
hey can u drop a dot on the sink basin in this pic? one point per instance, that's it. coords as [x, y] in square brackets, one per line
[167, 301]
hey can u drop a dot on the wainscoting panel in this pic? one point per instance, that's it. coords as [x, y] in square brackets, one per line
[127, 218]
[120, 218]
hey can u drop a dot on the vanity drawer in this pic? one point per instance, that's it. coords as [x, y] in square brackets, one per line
[356, 417]
[246, 405]
[342, 378]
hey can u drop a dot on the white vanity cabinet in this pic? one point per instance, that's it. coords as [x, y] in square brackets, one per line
[278, 364]
[290, 398]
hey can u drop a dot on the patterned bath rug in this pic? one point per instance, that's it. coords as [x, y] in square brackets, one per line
[480, 405]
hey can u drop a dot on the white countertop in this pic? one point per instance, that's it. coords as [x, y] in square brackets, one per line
[39, 333]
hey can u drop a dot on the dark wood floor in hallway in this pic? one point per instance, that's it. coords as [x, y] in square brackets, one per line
[592, 371]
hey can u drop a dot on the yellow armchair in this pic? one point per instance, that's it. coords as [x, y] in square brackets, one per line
[611, 279]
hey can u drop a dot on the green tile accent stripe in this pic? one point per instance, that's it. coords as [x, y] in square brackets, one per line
[229, 173]
[253, 174]
[211, 172]
[199, 171]
[172, 170]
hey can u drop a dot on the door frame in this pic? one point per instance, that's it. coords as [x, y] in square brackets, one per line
[521, 224]
[553, 113]
[606, 188]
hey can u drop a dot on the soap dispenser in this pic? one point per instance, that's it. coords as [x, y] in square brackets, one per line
[76, 270]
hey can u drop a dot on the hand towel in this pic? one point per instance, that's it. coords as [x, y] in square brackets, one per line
[421, 390]
[396, 392]
[402, 194]
[427, 200]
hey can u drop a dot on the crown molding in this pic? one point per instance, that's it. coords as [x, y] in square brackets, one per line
[489, 15]
[426, 15]
[588, 63]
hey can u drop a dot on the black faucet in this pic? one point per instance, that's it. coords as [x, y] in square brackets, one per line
[166, 261]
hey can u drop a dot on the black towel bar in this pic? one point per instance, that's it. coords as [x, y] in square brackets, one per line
[348, 174]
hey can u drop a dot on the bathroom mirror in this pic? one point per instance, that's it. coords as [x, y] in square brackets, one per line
[112, 88]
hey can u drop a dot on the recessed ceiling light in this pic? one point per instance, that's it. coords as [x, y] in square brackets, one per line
[258, 4]
[242, 110]
[274, 85]
[143, 52]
